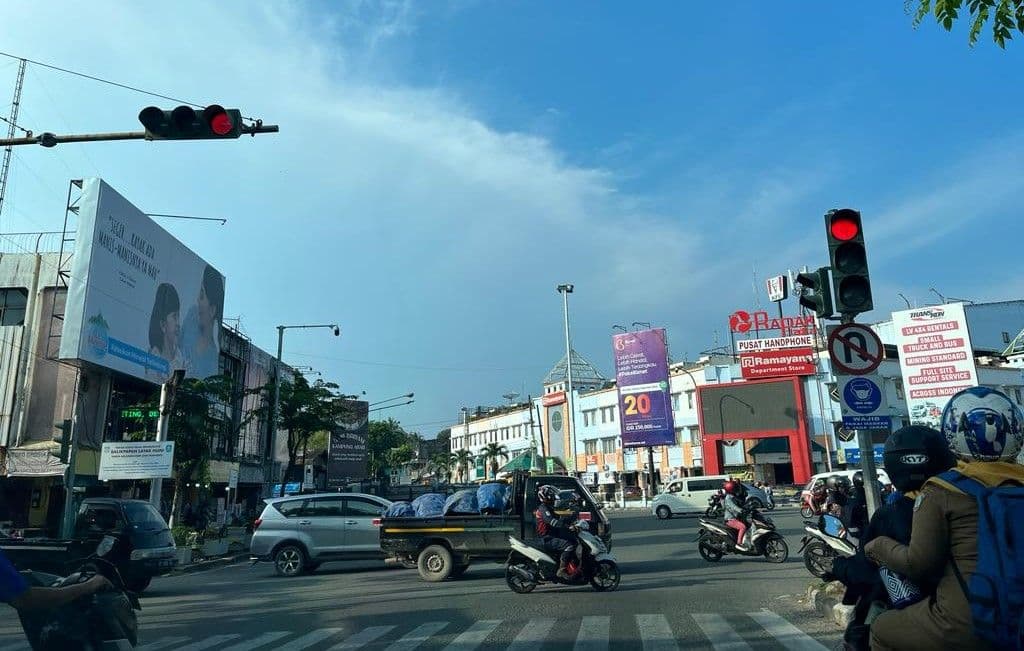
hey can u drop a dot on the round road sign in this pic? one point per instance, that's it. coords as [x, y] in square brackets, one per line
[855, 349]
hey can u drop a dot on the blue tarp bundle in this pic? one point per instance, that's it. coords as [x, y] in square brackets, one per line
[400, 510]
[492, 498]
[463, 502]
[428, 505]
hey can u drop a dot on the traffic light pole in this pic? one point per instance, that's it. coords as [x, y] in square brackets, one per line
[867, 461]
[167, 390]
[68, 516]
[52, 140]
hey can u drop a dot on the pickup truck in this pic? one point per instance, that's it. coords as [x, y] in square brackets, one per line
[445, 546]
[145, 547]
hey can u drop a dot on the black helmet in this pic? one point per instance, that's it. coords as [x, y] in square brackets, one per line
[837, 483]
[915, 453]
[858, 479]
[547, 494]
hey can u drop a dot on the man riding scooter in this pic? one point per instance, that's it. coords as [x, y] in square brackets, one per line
[735, 513]
[552, 530]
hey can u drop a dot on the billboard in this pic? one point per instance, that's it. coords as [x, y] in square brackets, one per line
[641, 373]
[138, 460]
[139, 301]
[777, 363]
[936, 358]
[346, 454]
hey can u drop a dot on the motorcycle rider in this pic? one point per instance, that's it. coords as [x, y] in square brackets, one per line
[983, 429]
[16, 592]
[552, 530]
[735, 513]
[912, 455]
[838, 488]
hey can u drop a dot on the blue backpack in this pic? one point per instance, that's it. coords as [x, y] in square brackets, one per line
[995, 592]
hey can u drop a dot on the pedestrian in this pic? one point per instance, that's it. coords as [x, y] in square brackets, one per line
[984, 430]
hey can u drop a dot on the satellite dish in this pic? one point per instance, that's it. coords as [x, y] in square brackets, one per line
[511, 397]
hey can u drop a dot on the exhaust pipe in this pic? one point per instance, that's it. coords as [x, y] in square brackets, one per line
[523, 574]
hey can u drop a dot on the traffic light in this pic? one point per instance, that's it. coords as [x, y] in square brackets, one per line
[184, 123]
[849, 261]
[819, 298]
[63, 440]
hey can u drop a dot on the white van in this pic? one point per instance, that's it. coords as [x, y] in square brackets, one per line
[821, 476]
[690, 495]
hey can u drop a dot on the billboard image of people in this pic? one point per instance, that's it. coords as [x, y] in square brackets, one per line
[139, 301]
[641, 373]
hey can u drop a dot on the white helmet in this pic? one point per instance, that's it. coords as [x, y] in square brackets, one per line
[982, 424]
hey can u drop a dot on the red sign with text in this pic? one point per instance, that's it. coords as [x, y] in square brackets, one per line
[777, 363]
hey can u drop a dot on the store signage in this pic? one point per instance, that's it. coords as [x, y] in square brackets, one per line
[777, 363]
[742, 322]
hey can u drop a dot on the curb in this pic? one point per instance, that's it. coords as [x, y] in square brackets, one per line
[826, 598]
[210, 564]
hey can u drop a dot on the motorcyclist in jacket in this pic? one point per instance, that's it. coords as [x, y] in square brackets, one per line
[735, 513]
[552, 530]
[15, 590]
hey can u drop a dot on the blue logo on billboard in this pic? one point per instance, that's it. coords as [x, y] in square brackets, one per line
[862, 396]
[97, 336]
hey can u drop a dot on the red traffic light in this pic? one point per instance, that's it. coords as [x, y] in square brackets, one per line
[844, 225]
[220, 122]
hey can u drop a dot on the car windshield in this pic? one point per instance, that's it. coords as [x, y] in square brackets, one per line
[144, 516]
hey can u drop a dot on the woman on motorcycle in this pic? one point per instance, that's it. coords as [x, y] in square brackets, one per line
[735, 513]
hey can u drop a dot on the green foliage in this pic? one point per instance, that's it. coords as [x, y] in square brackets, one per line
[462, 459]
[442, 464]
[491, 454]
[306, 410]
[180, 533]
[1007, 16]
[388, 444]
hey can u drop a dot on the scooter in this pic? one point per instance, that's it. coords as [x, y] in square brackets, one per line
[105, 621]
[529, 566]
[716, 540]
[715, 508]
[824, 540]
[812, 504]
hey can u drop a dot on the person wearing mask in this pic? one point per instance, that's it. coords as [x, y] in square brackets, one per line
[552, 530]
[983, 429]
[912, 455]
[837, 490]
[16, 592]
[735, 513]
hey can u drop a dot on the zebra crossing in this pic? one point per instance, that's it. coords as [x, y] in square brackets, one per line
[651, 632]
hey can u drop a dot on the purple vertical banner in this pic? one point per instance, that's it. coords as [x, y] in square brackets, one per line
[645, 405]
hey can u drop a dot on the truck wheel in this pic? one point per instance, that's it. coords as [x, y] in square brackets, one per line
[435, 563]
[139, 584]
[459, 570]
[289, 560]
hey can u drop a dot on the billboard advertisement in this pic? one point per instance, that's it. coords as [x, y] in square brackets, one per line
[936, 358]
[346, 453]
[741, 408]
[641, 372]
[139, 460]
[139, 301]
[777, 363]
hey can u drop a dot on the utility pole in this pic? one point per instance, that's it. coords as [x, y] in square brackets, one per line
[566, 289]
[12, 125]
[167, 394]
[68, 516]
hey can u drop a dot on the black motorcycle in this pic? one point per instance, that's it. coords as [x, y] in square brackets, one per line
[717, 539]
[105, 621]
[715, 507]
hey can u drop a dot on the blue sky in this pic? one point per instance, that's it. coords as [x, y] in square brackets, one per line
[442, 166]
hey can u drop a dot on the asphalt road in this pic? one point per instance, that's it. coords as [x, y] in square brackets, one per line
[669, 599]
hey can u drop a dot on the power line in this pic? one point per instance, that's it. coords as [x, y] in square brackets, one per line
[419, 367]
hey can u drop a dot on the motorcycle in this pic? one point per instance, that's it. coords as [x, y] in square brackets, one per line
[716, 540]
[105, 621]
[529, 565]
[813, 504]
[825, 540]
[715, 508]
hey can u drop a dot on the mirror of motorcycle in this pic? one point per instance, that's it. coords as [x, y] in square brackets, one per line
[105, 546]
[830, 525]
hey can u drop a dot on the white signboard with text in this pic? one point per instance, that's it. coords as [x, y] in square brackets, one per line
[774, 343]
[139, 301]
[936, 358]
[136, 460]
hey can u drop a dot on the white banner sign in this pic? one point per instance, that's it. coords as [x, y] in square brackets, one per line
[936, 358]
[777, 288]
[139, 301]
[136, 460]
[606, 477]
[774, 343]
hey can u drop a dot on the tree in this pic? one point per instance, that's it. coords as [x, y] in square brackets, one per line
[444, 440]
[441, 464]
[462, 459]
[305, 409]
[383, 437]
[491, 453]
[1007, 16]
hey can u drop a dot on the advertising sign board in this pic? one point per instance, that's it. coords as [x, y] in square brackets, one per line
[136, 460]
[641, 371]
[139, 301]
[778, 287]
[863, 402]
[936, 358]
[346, 454]
[777, 363]
[774, 343]
[742, 322]
[855, 349]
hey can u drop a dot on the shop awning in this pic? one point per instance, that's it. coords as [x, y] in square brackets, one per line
[22, 462]
[779, 445]
[530, 460]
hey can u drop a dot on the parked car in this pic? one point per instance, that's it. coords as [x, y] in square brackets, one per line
[690, 495]
[145, 548]
[301, 532]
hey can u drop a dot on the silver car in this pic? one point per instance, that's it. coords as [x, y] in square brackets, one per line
[300, 532]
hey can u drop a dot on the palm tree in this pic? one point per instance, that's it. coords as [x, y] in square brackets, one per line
[442, 464]
[462, 458]
[491, 453]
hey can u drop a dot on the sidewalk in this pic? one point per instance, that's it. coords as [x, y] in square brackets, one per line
[236, 544]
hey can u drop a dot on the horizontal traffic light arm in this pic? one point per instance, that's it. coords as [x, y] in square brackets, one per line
[51, 139]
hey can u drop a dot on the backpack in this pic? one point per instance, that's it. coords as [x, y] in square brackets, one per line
[995, 592]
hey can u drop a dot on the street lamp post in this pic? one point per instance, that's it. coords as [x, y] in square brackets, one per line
[272, 434]
[565, 289]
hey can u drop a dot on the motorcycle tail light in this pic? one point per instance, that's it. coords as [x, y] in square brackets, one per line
[376, 522]
[256, 523]
[586, 516]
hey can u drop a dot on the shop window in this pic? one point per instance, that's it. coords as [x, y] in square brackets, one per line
[12, 306]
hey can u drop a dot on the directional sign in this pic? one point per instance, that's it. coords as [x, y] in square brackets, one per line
[855, 349]
[863, 403]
